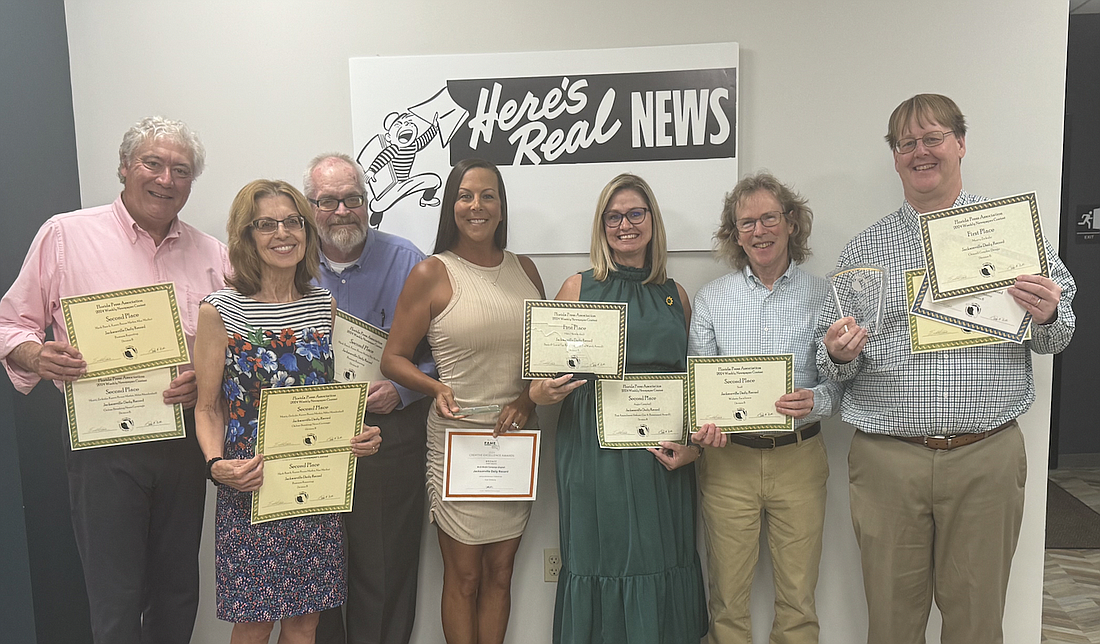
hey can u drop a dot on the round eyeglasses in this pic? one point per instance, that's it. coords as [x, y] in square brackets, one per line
[613, 219]
[328, 204]
[767, 220]
[930, 140]
[268, 226]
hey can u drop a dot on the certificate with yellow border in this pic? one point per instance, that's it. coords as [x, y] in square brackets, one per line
[311, 418]
[641, 410]
[295, 486]
[983, 246]
[122, 409]
[478, 467]
[992, 313]
[927, 334]
[357, 349]
[128, 330]
[587, 339]
[305, 436]
[738, 393]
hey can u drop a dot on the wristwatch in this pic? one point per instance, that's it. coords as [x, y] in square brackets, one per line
[210, 469]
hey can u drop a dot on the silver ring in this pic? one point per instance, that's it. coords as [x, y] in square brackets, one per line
[1038, 300]
[515, 424]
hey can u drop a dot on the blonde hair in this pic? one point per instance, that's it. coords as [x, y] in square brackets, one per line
[657, 250]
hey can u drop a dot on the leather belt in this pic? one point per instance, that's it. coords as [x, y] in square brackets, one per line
[771, 441]
[954, 440]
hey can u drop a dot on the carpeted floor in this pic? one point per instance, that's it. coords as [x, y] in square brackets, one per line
[1070, 523]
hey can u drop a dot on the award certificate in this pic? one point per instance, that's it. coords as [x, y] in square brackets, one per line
[642, 410]
[127, 408]
[357, 349]
[129, 330]
[929, 334]
[587, 339]
[993, 313]
[316, 483]
[305, 436]
[983, 246]
[738, 393]
[478, 467]
[317, 417]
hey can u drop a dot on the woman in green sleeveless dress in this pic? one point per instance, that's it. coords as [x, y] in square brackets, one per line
[630, 570]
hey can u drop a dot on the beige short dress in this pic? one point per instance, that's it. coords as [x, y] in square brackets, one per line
[477, 343]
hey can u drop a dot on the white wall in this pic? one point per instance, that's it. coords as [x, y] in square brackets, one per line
[266, 85]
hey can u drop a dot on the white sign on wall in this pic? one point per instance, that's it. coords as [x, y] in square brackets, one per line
[559, 125]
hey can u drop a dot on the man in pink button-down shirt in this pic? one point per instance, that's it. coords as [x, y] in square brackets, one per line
[136, 509]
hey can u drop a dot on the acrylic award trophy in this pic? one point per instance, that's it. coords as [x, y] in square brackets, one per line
[860, 292]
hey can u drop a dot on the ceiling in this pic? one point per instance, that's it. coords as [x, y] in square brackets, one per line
[1084, 6]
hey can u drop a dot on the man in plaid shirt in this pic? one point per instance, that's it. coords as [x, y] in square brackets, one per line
[937, 468]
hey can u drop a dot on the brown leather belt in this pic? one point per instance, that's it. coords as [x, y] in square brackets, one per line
[952, 441]
[771, 441]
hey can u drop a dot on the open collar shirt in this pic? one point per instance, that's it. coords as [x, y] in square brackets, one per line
[737, 314]
[103, 249]
[369, 288]
[891, 390]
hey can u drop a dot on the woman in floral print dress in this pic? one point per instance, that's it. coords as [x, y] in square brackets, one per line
[270, 328]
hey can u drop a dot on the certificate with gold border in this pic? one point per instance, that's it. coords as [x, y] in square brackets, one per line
[982, 247]
[305, 436]
[294, 486]
[642, 410]
[587, 339]
[991, 313]
[357, 349]
[927, 334]
[123, 409]
[127, 330]
[479, 467]
[738, 393]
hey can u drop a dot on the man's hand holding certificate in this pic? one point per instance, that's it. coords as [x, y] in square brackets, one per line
[983, 246]
[357, 349]
[131, 341]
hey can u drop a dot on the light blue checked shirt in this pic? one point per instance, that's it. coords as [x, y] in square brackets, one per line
[737, 315]
[973, 389]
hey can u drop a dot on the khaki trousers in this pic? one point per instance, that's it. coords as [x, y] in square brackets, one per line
[936, 523]
[786, 485]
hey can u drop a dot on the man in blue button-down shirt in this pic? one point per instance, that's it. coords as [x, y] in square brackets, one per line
[936, 471]
[365, 269]
[768, 305]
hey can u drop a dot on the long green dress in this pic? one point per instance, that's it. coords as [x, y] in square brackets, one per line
[630, 570]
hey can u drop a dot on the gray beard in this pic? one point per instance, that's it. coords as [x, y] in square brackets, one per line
[343, 239]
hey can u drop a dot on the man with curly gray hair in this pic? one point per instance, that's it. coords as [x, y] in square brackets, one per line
[137, 507]
[767, 305]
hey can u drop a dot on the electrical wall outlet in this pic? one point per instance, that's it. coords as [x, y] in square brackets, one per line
[551, 558]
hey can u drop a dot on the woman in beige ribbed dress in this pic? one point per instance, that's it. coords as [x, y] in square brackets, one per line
[467, 300]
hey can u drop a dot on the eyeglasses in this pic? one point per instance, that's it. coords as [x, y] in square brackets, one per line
[181, 172]
[613, 219]
[930, 140]
[268, 226]
[767, 220]
[328, 204]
